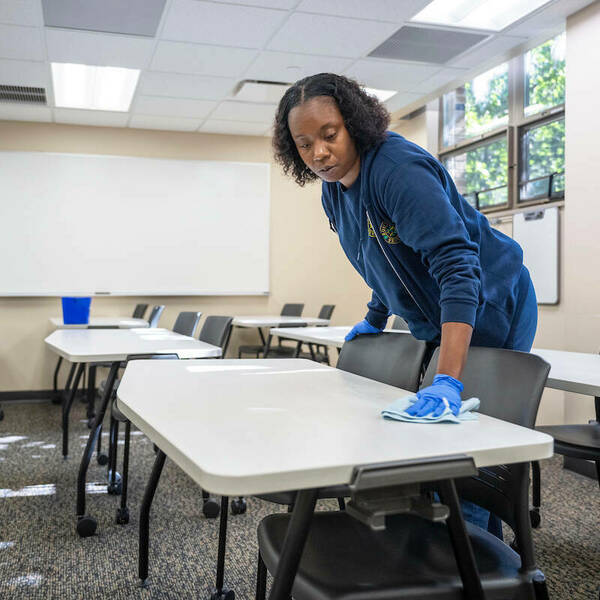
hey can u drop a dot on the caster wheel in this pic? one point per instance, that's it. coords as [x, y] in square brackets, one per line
[122, 516]
[211, 508]
[224, 594]
[86, 526]
[116, 487]
[535, 517]
[102, 459]
[238, 506]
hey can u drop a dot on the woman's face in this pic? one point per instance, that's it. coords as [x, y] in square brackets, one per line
[322, 140]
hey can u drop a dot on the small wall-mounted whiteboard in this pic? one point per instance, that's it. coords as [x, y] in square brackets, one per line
[538, 234]
[73, 224]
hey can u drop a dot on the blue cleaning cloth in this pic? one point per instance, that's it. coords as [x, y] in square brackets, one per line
[396, 412]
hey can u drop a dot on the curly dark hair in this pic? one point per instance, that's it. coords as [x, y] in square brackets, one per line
[365, 118]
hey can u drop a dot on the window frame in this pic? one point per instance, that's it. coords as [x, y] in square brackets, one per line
[518, 125]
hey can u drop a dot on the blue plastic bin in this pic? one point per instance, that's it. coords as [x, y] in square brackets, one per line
[76, 311]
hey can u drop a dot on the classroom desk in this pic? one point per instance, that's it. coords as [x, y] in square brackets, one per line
[292, 424]
[576, 372]
[84, 346]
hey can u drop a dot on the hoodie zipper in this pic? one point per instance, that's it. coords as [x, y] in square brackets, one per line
[377, 237]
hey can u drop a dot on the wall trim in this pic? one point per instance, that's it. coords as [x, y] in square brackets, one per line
[26, 395]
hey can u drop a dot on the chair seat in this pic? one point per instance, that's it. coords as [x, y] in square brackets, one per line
[411, 559]
[579, 441]
[334, 491]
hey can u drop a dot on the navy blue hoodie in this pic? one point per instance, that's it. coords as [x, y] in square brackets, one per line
[425, 252]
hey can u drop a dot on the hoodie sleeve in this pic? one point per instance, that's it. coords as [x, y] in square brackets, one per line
[416, 201]
[378, 312]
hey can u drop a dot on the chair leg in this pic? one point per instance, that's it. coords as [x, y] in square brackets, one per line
[536, 495]
[114, 478]
[341, 503]
[598, 471]
[220, 592]
[261, 579]
[123, 511]
[144, 534]
[67, 404]
[539, 587]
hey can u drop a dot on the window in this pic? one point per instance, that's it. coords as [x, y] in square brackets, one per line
[502, 135]
[545, 76]
[481, 173]
[481, 105]
[543, 161]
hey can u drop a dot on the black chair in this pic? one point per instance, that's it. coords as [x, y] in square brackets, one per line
[155, 314]
[288, 310]
[400, 323]
[186, 323]
[139, 311]
[414, 558]
[317, 352]
[217, 331]
[574, 441]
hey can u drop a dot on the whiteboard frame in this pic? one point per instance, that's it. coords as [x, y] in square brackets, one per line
[150, 293]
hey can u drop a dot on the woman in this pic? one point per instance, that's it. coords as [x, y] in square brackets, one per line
[427, 255]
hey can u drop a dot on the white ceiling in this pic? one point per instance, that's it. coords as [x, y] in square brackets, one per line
[203, 49]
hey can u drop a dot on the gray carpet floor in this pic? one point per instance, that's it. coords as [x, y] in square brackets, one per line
[41, 556]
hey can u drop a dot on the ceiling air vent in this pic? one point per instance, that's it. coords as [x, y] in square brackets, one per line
[22, 94]
[426, 44]
[254, 90]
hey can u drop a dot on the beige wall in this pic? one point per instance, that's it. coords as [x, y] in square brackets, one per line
[307, 264]
[414, 129]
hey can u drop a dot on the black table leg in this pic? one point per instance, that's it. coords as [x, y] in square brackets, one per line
[66, 408]
[293, 545]
[220, 592]
[461, 544]
[55, 392]
[91, 393]
[86, 525]
[267, 346]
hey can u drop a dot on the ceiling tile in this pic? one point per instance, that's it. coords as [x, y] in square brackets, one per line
[233, 127]
[245, 111]
[102, 49]
[390, 75]
[496, 46]
[177, 85]
[401, 100]
[21, 12]
[285, 4]
[380, 10]
[222, 24]
[179, 57]
[169, 123]
[134, 17]
[22, 112]
[23, 43]
[24, 72]
[330, 36]
[439, 80]
[286, 67]
[172, 107]
[98, 118]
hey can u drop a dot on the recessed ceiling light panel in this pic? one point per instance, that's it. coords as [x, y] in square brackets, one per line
[492, 15]
[381, 95]
[93, 88]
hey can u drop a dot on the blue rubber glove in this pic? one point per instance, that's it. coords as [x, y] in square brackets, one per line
[363, 327]
[443, 393]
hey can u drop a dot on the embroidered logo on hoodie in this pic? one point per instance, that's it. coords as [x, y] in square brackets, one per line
[371, 230]
[388, 232]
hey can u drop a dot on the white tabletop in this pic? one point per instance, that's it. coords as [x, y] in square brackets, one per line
[576, 372]
[243, 427]
[111, 345]
[328, 336]
[276, 320]
[115, 322]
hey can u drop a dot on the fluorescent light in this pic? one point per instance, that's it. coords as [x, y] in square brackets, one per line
[493, 15]
[93, 88]
[381, 95]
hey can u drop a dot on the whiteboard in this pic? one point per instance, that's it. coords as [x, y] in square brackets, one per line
[538, 234]
[74, 224]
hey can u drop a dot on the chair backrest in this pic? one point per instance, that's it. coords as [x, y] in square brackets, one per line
[139, 311]
[326, 311]
[400, 323]
[292, 310]
[216, 331]
[509, 385]
[155, 315]
[393, 358]
[186, 322]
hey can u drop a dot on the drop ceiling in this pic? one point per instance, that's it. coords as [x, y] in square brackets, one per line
[193, 54]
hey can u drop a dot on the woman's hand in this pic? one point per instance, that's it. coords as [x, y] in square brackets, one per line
[361, 328]
[433, 400]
